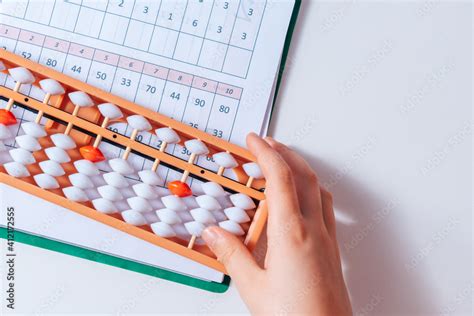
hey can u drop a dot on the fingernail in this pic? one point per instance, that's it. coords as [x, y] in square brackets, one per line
[210, 235]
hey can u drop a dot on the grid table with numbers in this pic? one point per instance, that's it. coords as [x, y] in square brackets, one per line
[212, 34]
[200, 102]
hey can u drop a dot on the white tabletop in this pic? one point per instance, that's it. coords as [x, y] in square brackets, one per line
[377, 96]
[378, 99]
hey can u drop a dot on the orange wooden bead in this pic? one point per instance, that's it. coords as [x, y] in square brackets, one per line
[179, 188]
[92, 153]
[7, 117]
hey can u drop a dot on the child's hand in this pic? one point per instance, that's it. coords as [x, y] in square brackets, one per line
[302, 272]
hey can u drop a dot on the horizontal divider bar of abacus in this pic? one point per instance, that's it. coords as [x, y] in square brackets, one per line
[133, 144]
[111, 221]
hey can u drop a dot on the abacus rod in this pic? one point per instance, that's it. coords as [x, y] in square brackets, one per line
[40, 113]
[10, 101]
[99, 137]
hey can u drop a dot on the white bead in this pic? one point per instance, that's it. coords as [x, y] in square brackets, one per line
[86, 167]
[57, 154]
[138, 122]
[173, 203]
[2, 146]
[232, 227]
[110, 193]
[145, 190]
[81, 99]
[203, 216]
[104, 206]
[168, 135]
[194, 228]
[252, 169]
[196, 147]
[16, 169]
[237, 214]
[81, 181]
[115, 179]
[33, 129]
[22, 156]
[168, 216]
[149, 177]
[22, 75]
[51, 86]
[28, 142]
[2, 66]
[225, 160]
[121, 166]
[45, 181]
[4, 132]
[63, 141]
[52, 168]
[75, 194]
[213, 189]
[163, 230]
[139, 204]
[243, 201]
[208, 202]
[134, 218]
[110, 110]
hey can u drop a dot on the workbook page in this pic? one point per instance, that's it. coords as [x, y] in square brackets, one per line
[210, 64]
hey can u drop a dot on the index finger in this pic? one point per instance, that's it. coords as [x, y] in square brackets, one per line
[280, 190]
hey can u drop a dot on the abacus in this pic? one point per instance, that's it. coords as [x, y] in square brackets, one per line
[60, 157]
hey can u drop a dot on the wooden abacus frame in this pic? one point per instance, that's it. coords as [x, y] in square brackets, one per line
[89, 124]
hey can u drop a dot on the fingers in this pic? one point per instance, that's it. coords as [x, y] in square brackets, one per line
[280, 187]
[314, 201]
[328, 213]
[236, 258]
[306, 182]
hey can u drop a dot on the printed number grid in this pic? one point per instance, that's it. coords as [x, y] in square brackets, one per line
[218, 35]
[202, 103]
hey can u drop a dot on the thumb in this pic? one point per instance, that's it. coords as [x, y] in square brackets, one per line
[232, 253]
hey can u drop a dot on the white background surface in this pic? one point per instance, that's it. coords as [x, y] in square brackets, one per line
[377, 96]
